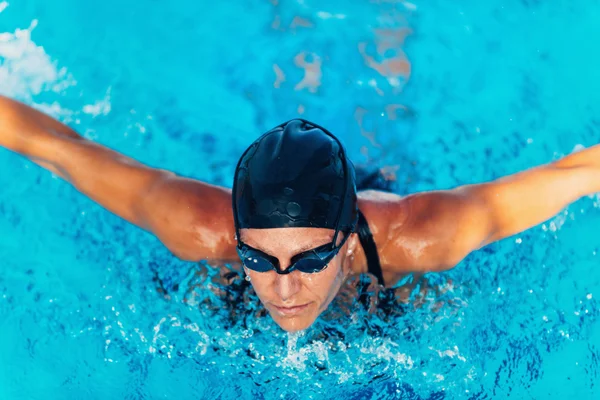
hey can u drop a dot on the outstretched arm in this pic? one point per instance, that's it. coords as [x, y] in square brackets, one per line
[191, 218]
[521, 201]
[441, 228]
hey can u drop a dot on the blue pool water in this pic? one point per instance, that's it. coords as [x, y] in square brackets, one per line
[440, 94]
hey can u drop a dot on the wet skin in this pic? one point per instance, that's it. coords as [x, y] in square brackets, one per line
[423, 232]
[295, 300]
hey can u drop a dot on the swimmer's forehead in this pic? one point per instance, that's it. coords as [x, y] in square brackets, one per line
[294, 240]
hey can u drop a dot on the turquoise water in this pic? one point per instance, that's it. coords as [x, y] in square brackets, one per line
[440, 94]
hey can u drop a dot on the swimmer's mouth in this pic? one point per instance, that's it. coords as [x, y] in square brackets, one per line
[290, 311]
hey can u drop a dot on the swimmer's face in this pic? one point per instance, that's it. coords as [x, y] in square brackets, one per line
[295, 300]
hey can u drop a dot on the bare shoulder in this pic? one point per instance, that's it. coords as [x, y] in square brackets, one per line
[383, 211]
[387, 215]
[421, 232]
[212, 222]
[193, 219]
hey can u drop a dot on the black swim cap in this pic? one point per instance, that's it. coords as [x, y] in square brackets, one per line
[295, 175]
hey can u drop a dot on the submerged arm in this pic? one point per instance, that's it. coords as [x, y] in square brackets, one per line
[191, 218]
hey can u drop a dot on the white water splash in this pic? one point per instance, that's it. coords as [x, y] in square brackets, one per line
[100, 107]
[452, 353]
[3, 5]
[25, 68]
[559, 220]
[57, 111]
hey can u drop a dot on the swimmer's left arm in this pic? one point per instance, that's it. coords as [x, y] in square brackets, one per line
[488, 212]
[443, 227]
[518, 202]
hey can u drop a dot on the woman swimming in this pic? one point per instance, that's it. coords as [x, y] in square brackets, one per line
[294, 217]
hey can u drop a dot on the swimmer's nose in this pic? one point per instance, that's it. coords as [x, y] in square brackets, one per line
[286, 286]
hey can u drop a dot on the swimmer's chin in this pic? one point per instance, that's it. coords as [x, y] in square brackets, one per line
[294, 326]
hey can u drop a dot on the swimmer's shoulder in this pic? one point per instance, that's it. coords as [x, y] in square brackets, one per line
[388, 216]
[421, 232]
[193, 219]
[410, 237]
[382, 209]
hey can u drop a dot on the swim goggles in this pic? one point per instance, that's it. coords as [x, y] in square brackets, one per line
[309, 261]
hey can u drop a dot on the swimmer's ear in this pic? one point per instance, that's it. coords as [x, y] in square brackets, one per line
[349, 250]
[351, 245]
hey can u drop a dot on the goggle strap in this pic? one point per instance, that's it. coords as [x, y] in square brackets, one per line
[334, 242]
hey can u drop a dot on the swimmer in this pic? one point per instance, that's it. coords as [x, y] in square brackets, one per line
[293, 216]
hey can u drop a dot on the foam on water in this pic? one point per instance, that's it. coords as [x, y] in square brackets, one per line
[26, 69]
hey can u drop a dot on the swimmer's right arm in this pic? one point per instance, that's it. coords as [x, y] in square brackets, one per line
[193, 219]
